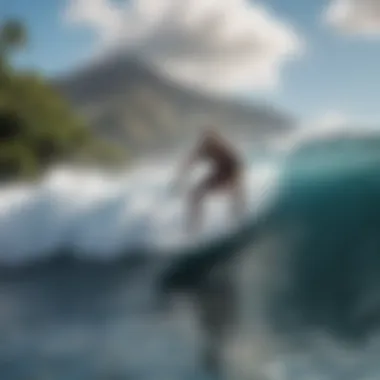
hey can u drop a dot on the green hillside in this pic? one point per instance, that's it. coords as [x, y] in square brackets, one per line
[37, 127]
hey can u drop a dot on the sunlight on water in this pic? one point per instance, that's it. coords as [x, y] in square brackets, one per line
[83, 321]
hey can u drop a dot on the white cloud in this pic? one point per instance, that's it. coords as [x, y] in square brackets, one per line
[214, 45]
[360, 17]
[328, 125]
[94, 13]
[331, 120]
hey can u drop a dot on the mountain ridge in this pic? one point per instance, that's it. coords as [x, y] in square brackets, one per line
[129, 102]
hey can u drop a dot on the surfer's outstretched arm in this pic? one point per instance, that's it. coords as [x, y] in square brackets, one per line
[181, 172]
[189, 162]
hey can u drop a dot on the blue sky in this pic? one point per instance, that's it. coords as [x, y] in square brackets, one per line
[339, 73]
[53, 47]
[336, 73]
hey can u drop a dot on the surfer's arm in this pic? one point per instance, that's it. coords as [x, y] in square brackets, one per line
[188, 163]
[228, 147]
[194, 156]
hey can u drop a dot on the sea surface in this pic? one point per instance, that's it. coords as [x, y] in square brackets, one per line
[82, 252]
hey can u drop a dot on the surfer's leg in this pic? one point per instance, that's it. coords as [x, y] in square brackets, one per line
[211, 322]
[214, 182]
[238, 198]
[195, 207]
[219, 180]
[216, 302]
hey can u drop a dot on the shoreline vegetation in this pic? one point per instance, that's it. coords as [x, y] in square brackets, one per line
[38, 128]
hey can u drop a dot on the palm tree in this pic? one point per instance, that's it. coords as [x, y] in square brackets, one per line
[12, 36]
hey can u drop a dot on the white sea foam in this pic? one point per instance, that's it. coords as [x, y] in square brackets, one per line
[101, 215]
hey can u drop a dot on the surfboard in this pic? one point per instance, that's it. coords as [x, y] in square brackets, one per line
[187, 270]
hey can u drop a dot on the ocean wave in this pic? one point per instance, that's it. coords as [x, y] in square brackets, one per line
[98, 215]
[311, 276]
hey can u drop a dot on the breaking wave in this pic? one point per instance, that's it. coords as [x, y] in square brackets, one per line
[98, 215]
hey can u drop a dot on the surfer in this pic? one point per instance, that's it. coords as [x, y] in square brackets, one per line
[226, 175]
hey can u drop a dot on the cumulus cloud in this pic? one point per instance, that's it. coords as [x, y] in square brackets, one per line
[360, 17]
[331, 120]
[330, 124]
[212, 45]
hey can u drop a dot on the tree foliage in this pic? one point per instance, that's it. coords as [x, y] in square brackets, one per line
[37, 126]
[12, 35]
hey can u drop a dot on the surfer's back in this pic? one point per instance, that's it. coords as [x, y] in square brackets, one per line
[215, 149]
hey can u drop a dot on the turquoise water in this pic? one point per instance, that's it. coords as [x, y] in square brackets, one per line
[334, 205]
[71, 319]
[326, 218]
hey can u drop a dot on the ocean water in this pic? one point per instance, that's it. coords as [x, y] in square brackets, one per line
[82, 254]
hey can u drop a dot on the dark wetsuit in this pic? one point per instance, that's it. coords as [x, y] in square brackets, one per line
[226, 174]
[226, 165]
[216, 296]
